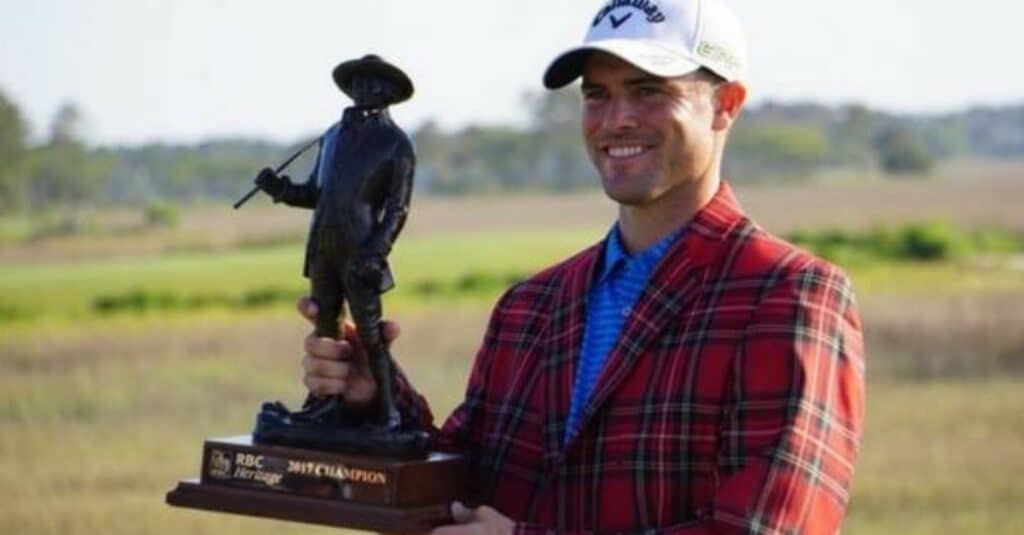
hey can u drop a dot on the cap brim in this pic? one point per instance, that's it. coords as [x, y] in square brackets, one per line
[649, 57]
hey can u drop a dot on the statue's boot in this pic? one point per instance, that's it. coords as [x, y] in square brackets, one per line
[323, 428]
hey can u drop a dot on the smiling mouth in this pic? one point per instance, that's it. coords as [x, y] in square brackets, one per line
[624, 152]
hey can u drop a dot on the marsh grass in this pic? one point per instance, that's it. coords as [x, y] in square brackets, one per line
[940, 457]
[968, 196]
[965, 336]
[101, 413]
[97, 426]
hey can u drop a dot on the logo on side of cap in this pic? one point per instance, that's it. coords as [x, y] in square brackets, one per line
[718, 54]
[650, 10]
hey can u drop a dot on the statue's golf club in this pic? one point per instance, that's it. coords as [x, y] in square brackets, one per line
[280, 168]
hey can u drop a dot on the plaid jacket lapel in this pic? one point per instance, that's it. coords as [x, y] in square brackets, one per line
[674, 285]
[562, 347]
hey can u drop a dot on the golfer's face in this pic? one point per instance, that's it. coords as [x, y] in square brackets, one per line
[648, 136]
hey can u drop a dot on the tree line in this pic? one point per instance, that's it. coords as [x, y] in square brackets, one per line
[772, 141]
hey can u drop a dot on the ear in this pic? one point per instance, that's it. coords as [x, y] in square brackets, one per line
[730, 97]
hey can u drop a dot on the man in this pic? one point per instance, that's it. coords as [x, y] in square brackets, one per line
[689, 374]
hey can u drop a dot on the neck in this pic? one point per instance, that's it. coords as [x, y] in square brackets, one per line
[642, 225]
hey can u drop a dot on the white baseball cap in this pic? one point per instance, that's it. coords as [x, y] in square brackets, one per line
[665, 38]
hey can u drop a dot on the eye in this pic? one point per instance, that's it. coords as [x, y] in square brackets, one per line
[648, 90]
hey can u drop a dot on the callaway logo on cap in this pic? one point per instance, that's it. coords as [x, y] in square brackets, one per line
[666, 38]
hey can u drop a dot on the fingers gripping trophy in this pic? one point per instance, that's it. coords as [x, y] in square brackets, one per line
[359, 190]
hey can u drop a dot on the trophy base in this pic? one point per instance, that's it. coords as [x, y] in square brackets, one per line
[193, 494]
[318, 487]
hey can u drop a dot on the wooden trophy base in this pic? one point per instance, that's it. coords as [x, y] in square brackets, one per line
[374, 494]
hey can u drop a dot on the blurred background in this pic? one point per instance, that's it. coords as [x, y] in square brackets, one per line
[139, 313]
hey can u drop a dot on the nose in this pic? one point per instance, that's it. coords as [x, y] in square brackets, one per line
[620, 114]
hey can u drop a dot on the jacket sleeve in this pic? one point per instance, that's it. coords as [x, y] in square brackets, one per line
[791, 426]
[463, 430]
[396, 203]
[412, 407]
[303, 195]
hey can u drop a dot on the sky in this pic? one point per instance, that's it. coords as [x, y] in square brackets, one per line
[186, 70]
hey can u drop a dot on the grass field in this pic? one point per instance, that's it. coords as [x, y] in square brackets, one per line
[69, 289]
[988, 197]
[92, 439]
[102, 412]
[475, 265]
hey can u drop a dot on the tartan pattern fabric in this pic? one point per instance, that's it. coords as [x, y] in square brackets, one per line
[610, 301]
[733, 402]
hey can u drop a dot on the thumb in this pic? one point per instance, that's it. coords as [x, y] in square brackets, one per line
[389, 330]
[308, 308]
[462, 514]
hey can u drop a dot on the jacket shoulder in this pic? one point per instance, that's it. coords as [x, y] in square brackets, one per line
[756, 253]
[328, 135]
[537, 288]
[402, 140]
[405, 145]
[574, 265]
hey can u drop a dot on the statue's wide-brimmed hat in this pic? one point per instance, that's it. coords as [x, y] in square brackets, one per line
[373, 64]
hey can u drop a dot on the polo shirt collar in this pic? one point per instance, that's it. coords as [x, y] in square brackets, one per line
[615, 253]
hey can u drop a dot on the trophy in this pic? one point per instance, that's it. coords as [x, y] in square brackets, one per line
[328, 463]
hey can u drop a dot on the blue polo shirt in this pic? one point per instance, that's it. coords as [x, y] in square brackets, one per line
[610, 302]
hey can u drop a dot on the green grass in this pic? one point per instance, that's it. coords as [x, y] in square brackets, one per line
[455, 267]
[931, 279]
[15, 229]
[484, 263]
[935, 241]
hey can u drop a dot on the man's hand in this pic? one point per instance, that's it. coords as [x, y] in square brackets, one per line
[339, 367]
[270, 182]
[483, 520]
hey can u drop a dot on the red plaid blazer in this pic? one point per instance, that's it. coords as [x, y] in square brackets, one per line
[732, 403]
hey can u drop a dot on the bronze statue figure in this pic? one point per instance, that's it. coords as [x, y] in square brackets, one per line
[359, 190]
[345, 460]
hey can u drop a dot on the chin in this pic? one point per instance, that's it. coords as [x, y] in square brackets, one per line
[626, 197]
[627, 190]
